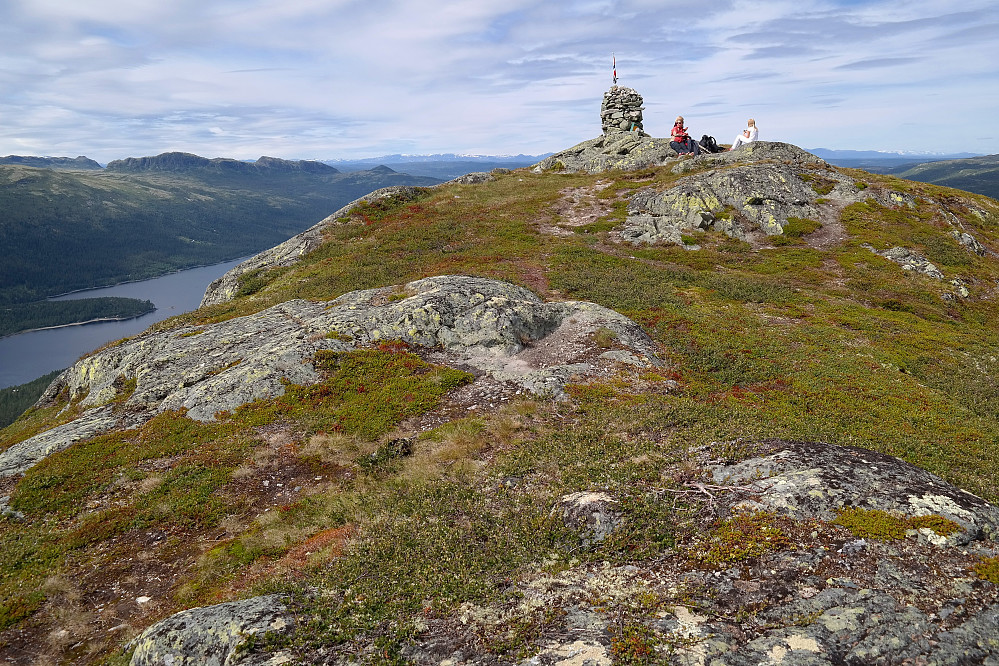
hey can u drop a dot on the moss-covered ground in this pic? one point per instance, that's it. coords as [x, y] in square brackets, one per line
[834, 344]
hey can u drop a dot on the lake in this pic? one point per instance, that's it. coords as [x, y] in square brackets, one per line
[27, 356]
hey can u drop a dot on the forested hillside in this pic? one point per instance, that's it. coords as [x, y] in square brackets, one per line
[66, 230]
[975, 174]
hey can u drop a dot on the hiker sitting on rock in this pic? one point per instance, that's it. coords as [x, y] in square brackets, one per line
[682, 143]
[747, 135]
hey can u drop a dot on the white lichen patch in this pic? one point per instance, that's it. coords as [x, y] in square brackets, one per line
[577, 653]
[941, 505]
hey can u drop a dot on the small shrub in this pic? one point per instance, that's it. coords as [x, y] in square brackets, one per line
[251, 282]
[633, 645]
[798, 227]
[739, 538]
[896, 305]
[604, 337]
[734, 246]
[939, 524]
[877, 524]
[379, 209]
[988, 569]
[820, 184]
[872, 524]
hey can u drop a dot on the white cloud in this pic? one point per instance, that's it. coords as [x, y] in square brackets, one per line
[322, 78]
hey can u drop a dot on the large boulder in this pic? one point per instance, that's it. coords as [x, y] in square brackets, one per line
[813, 480]
[754, 189]
[214, 635]
[493, 327]
[619, 150]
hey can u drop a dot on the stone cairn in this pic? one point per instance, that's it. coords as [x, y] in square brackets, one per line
[621, 111]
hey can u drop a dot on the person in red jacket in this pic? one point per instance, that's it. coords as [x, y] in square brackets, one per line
[682, 143]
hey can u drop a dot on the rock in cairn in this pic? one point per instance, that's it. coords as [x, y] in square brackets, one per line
[621, 111]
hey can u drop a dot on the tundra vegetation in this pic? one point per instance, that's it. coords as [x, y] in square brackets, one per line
[311, 496]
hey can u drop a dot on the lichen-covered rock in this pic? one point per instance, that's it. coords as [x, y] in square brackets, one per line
[845, 626]
[621, 150]
[908, 260]
[775, 152]
[593, 514]
[476, 178]
[765, 195]
[7, 512]
[213, 635]
[760, 194]
[969, 241]
[728, 617]
[816, 480]
[496, 327]
[23, 455]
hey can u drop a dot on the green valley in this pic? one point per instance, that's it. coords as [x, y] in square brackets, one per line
[68, 230]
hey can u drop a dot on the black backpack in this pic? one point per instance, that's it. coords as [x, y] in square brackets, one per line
[709, 145]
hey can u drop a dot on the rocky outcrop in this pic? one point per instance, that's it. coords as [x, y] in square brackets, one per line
[621, 150]
[493, 327]
[772, 183]
[809, 480]
[908, 260]
[214, 635]
[969, 241]
[23, 455]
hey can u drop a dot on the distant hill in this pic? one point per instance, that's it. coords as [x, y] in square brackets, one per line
[974, 174]
[445, 166]
[67, 163]
[142, 217]
[877, 161]
[188, 163]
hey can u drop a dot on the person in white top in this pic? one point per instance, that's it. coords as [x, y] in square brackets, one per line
[747, 135]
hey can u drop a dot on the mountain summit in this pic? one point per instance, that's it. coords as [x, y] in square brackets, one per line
[622, 407]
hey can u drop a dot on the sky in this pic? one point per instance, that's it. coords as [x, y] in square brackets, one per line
[345, 79]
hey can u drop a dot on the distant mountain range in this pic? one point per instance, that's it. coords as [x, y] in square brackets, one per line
[878, 161]
[443, 165]
[188, 163]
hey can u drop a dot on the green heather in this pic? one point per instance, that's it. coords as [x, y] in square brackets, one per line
[832, 343]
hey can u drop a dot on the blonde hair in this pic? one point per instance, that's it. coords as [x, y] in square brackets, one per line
[751, 123]
[679, 119]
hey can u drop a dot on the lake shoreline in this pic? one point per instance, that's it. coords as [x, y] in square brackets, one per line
[99, 320]
[28, 355]
[152, 277]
